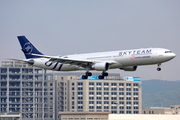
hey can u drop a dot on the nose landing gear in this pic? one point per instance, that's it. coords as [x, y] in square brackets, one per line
[159, 67]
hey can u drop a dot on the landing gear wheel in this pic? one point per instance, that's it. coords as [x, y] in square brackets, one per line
[101, 77]
[88, 74]
[84, 76]
[158, 69]
[104, 74]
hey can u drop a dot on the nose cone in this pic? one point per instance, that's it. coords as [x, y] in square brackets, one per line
[171, 56]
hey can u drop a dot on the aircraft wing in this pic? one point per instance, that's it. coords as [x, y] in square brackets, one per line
[72, 61]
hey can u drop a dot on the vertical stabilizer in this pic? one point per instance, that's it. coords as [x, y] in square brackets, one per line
[28, 47]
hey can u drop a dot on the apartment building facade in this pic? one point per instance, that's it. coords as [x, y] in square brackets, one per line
[27, 91]
[112, 95]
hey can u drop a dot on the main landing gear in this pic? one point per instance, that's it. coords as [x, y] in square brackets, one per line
[159, 67]
[86, 75]
[104, 74]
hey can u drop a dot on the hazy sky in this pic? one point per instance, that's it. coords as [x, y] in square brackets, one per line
[59, 27]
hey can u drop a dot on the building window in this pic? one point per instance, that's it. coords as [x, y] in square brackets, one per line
[80, 107]
[121, 102]
[113, 111]
[80, 83]
[80, 102]
[121, 98]
[72, 84]
[135, 93]
[91, 93]
[113, 89]
[98, 107]
[91, 102]
[128, 89]
[128, 93]
[121, 84]
[121, 107]
[91, 83]
[113, 93]
[106, 84]
[106, 88]
[80, 88]
[98, 98]
[98, 88]
[91, 88]
[121, 89]
[91, 107]
[128, 112]
[106, 102]
[106, 107]
[106, 93]
[136, 112]
[80, 93]
[136, 107]
[128, 84]
[72, 88]
[128, 98]
[114, 102]
[98, 83]
[128, 107]
[121, 112]
[98, 102]
[113, 98]
[121, 93]
[135, 84]
[135, 89]
[135, 98]
[128, 103]
[135, 103]
[113, 107]
[80, 98]
[91, 98]
[98, 93]
[113, 84]
[106, 98]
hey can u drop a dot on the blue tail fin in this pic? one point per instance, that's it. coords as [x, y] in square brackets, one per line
[28, 47]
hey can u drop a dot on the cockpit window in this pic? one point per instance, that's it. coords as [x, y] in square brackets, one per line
[168, 51]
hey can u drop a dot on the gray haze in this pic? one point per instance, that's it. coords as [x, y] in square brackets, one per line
[59, 27]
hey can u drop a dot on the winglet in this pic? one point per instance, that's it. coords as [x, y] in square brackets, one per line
[28, 47]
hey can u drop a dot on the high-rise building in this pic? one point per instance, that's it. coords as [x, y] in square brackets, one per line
[27, 90]
[113, 95]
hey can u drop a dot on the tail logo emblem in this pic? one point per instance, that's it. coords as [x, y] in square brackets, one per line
[28, 48]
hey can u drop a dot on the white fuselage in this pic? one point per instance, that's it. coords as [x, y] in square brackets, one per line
[120, 59]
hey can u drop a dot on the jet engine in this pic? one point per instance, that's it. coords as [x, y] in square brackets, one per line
[129, 68]
[103, 66]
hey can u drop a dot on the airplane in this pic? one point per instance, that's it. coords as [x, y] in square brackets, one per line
[127, 60]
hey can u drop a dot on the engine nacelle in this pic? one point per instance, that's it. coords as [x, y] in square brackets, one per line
[103, 66]
[129, 68]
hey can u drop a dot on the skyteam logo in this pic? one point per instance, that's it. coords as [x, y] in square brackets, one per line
[28, 48]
